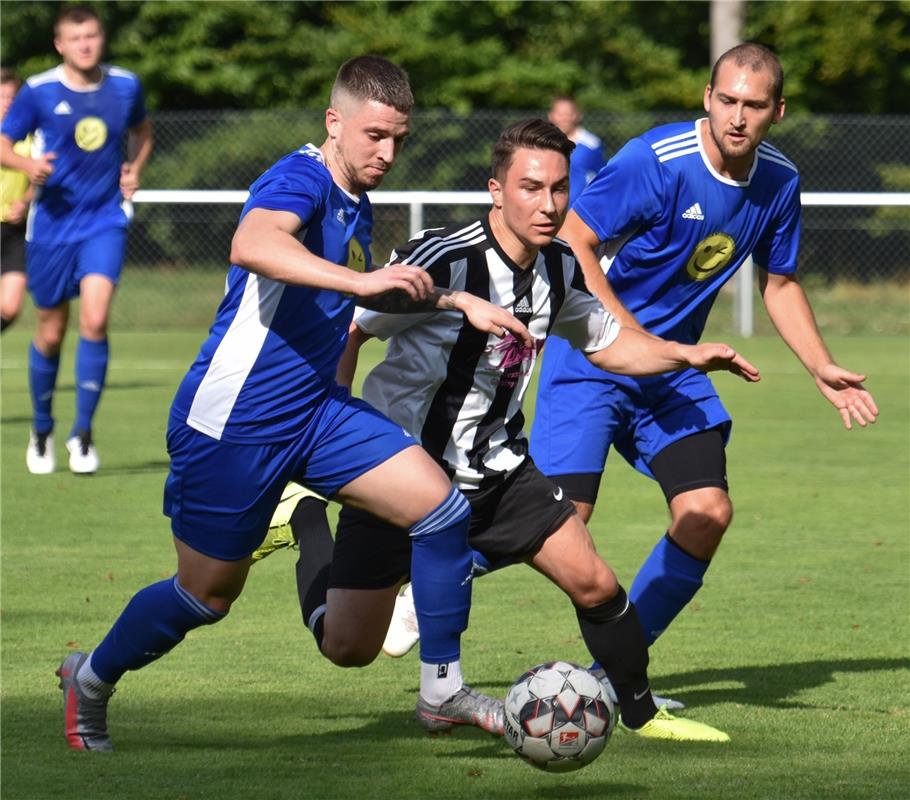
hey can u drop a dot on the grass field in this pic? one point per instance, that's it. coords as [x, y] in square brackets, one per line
[798, 646]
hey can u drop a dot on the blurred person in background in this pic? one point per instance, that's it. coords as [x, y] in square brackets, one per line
[588, 156]
[15, 195]
[79, 112]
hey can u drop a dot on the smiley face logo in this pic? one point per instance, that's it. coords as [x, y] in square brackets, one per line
[91, 133]
[711, 254]
[356, 259]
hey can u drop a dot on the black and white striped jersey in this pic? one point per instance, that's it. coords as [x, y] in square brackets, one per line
[457, 390]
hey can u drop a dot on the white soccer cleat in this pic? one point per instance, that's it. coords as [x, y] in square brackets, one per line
[403, 632]
[83, 455]
[39, 456]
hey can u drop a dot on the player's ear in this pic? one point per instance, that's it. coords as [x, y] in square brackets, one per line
[779, 111]
[707, 98]
[495, 188]
[332, 122]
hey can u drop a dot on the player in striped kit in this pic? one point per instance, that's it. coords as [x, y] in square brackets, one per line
[260, 407]
[460, 392]
[658, 232]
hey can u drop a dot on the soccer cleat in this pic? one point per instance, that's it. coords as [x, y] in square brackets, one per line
[280, 534]
[83, 455]
[465, 707]
[403, 632]
[668, 703]
[85, 719]
[39, 456]
[665, 726]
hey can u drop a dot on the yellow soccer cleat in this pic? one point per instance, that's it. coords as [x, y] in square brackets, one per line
[665, 726]
[280, 534]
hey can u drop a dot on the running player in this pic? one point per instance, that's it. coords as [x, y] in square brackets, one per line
[674, 214]
[460, 392]
[259, 407]
[78, 220]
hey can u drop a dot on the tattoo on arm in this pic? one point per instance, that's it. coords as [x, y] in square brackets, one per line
[399, 302]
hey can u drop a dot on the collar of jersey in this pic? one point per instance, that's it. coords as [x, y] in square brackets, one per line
[710, 167]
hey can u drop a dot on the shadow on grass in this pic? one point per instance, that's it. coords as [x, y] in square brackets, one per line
[769, 685]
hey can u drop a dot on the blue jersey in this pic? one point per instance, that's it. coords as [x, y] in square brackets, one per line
[85, 128]
[272, 351]
[586, 161]
[675, 230]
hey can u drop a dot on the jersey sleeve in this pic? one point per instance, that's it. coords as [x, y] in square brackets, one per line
[778, 249]
[137, 113]
[625, 196]
[299, 188]
[583, 321]
[383, 325]
[591, 160]
[22, 117]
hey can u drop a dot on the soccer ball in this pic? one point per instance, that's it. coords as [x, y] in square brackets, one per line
[558, 717]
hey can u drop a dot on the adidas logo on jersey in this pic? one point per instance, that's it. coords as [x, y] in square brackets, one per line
[63, 108]
[693, 212]
[523, 306]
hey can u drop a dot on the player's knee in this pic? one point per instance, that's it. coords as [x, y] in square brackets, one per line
[93, 326]
[705, 514]
[49, 340]
[594, 586]
[343, 651]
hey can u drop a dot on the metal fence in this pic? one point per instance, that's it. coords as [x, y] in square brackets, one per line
[177, 253]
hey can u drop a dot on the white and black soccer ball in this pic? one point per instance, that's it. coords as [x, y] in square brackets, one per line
[558, 717]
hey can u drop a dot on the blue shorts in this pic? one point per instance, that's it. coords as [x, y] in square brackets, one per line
[221, 496]
[582, 410]
[54, 271]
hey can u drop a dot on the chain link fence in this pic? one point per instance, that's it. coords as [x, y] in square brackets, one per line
[177, 254]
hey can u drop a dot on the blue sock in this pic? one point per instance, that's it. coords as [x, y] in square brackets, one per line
[42, 377]
[441, 578]
[665, 583]
[91, 370]
[154, 621]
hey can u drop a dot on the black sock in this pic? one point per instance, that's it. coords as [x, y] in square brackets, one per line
[310, 526]
[613, 634]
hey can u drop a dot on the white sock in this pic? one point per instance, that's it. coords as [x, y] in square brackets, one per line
[438, 682]
[91, 685]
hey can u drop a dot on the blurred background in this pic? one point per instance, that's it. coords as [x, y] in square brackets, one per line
[232, 86]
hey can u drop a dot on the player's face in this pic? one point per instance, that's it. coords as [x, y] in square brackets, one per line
[80, 44]
[7, 95]
[533, 197]
[564, 115]
[366, 138]
[741, 110]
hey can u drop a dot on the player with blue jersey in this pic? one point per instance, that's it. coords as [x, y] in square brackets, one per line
[79, 112]
[260, 407]
[673, 216]
[587, 158]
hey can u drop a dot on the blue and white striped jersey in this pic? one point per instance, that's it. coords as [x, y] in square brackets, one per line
[273, 349]
[675, 230]
[85, 128]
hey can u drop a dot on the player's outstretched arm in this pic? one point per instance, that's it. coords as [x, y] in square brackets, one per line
[635, 353]
[789, 310]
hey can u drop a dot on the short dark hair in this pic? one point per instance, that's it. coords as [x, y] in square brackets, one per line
[374, 78]
[9, 76]
[534, 134]
[757, 57]
[76, 15]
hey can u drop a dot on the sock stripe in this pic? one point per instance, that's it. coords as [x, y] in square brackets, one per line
[196, 607]
[314, 618]
[453, 508]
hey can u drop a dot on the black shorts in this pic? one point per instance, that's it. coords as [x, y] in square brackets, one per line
[12, 248]
[509, 523]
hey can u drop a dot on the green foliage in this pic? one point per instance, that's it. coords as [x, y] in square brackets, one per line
[616, 56]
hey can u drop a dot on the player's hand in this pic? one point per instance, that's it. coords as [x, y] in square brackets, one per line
[490, 318]
[129, 180]
[711, 357]
[845, 391]
[17, 211]
[414, 281]
[39, 169]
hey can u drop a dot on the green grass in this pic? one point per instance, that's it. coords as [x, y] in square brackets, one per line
[798, 645]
